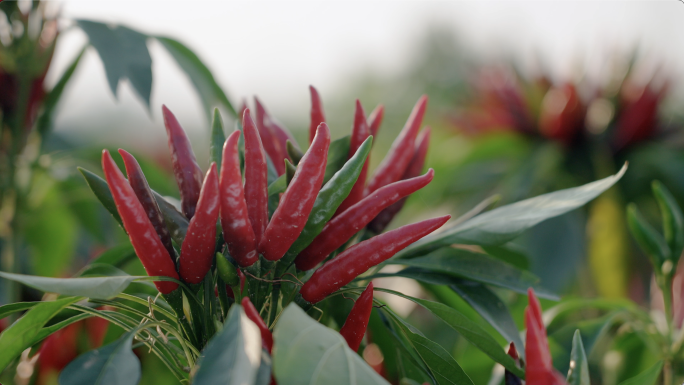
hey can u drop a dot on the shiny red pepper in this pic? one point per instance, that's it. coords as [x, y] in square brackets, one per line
[393, 166]
[360, 133]
[282, 135]
[538, 366]
[268, 138]
[185, 168]
[289, 218]
[355, 326]
[142, 190]
[147, 245]
[256, 177]
[252, 313]
[357, 259]
[197, 251]
[237, 230]
[375, 119]
[317, 115]
[415, 167]
[344, 226]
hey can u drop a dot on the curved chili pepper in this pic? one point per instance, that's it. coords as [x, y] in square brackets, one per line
[396, 161]
[137, 180]
[355, 326]
[359, 134]
[344, 226]
[414, 169]
[268, 138]
[375, 119]
[197, 251]
[185, 168]
[357, 259]
[282, 135]
[317, 115]
[256, 177]
[296, 203]
[147, 245]
[237, 229]
[252, 313]
[539, 366]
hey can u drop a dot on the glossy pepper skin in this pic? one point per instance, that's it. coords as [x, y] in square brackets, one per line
[197, 251]
[146, 243]
[360, 133]
[539, 368]
[185, 168]
[317, 115]
[394, 164]
[415, 167]
[296, 203]
[256, 177]
[237, 229]
[357, 259]
[375, 119]
[268, 138]
[137, 180]
[341, 228]
[355, 326]
[252, 313]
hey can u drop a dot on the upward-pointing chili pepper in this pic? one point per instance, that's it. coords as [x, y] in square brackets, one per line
[268, 138]
[197, 251]
[375, 119]
[282, 135]
[539, 366]
[357, 259]
[296, 203]
[509, 377]
[147, 245]
[252, 313]
[137, 180]
[359, 134]
[256, 177]
[355, 326]
[317, 115]
[396, 161]
[237, 229]
[414, 169]
[188, 173]
[344, 226]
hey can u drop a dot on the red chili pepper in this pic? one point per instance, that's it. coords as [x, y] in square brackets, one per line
[268, 139]
[539, 367]
[510, 378]
[137, 180]
[229, 290]
[185, 168]
[256, 174]
[197, 251]
[252, 313]
[282, 135]
[289, 218]
[317, 115]
[344, 226]
[359, 134]
[396, 161]
[146, 243]
[237, 230]
[357, 259]
[375, 119]
[355, 326]
[59, 349]
[415, 167]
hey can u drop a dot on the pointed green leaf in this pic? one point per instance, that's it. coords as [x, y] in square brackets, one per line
[647, 377]
[651, 242]
[92, 287]
[218, 138]
[673, 220]
[579, 366]
[101, 190]
[337, 157]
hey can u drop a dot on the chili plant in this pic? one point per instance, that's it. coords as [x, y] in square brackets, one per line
[245, 270]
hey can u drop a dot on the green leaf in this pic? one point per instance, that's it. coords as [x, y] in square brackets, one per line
[307, 352]
[650, 241]
[673, 220]
[233, 355]
[20, 335]
[91, 287]
[579, 366]
[263, 376]
[124, 54]
[101, 190]
[217, 140]
[9, 309]
[201, 77]
[174, 220]
[509, 253]
[468, 329]
[116, 256]
[507, 222]
[337, 157]
[113, 364]
[277, 187]
[647, 377]
[479, 268]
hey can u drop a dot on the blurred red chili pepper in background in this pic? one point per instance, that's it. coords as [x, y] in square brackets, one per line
[539, 368]
[562, 114]
[317, 115]
[269, 139]
[375, 119]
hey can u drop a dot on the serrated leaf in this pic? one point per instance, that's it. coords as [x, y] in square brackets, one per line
[113, 364]
[91, 287]
[579, 366]
[307, 352]
[647, 377]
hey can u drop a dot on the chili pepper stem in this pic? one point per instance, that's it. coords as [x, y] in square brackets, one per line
[273, 309]
[208, 311]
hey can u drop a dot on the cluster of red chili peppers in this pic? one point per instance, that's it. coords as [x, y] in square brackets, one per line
[312, 220]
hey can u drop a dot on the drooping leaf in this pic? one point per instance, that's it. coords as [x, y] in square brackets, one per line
[233, 355]
[507, 222]
[307, 352]
[20, 335]
[92, 287]
[647, 377]
[101, 190]
[337, 157]
[113, 364]
[579, 366]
